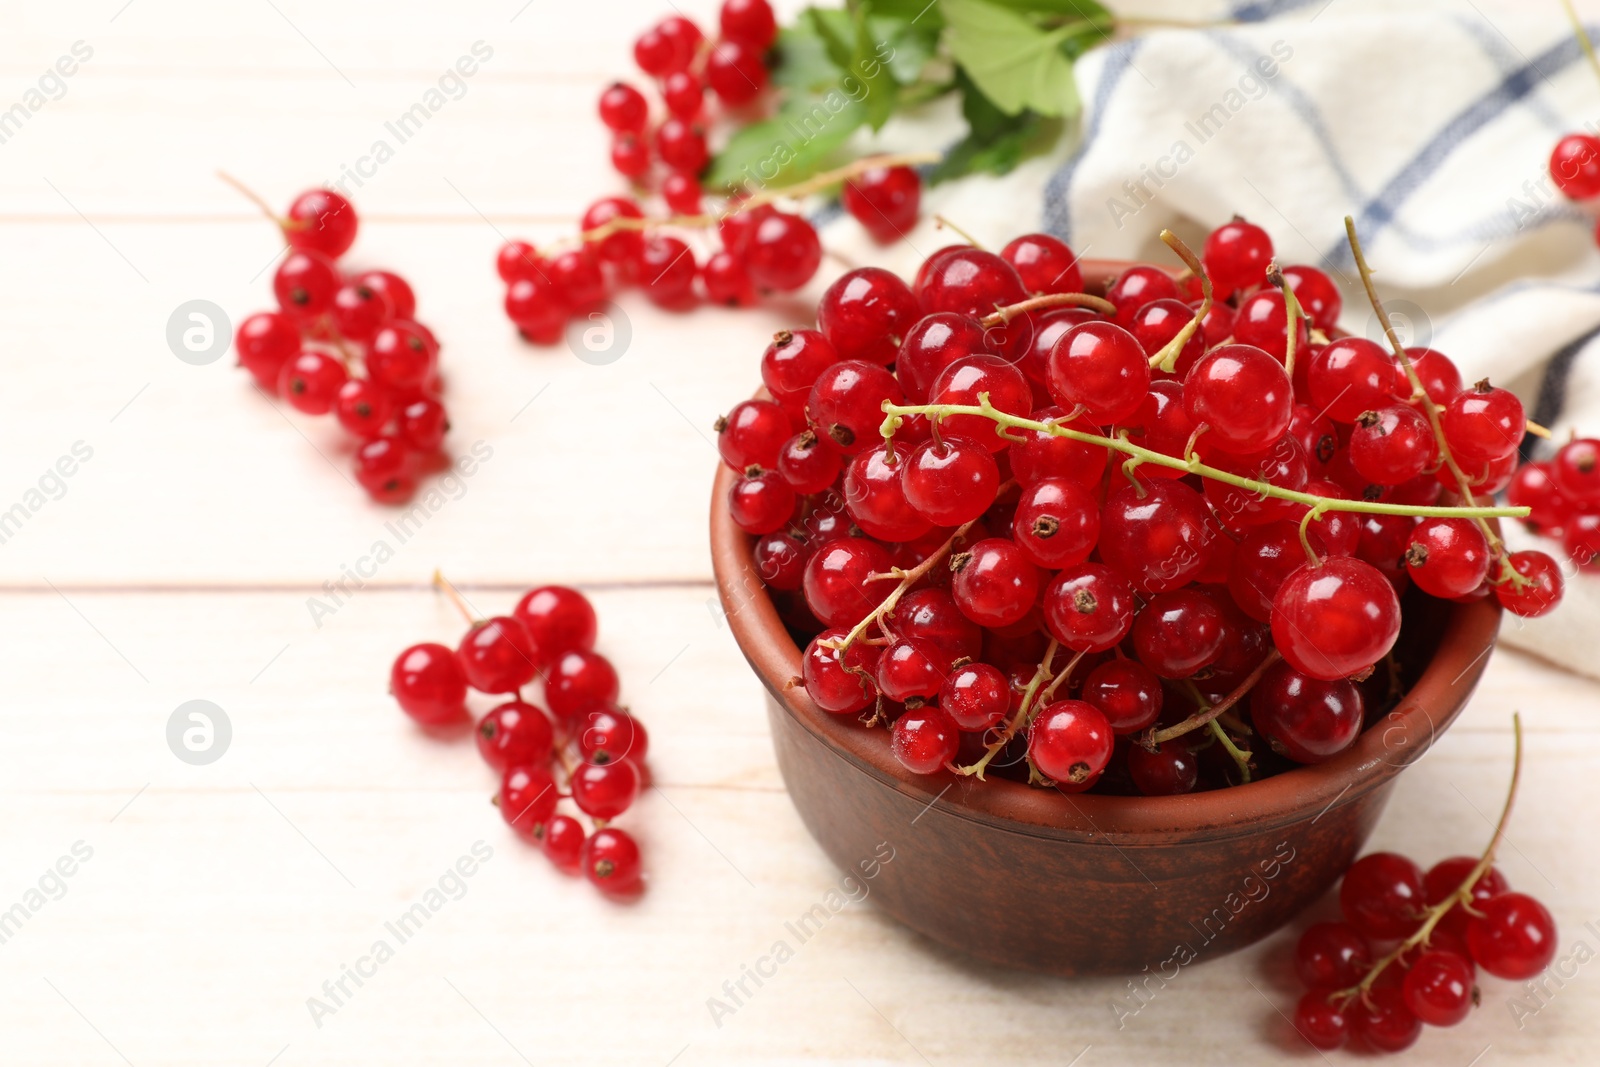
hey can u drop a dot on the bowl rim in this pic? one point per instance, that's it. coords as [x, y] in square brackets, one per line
[1379, 754]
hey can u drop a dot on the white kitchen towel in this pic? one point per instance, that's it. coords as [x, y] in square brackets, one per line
[1431, 123]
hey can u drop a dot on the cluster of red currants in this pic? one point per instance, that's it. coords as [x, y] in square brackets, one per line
[1575, 168]
[1444, 925]
[1563, 497]
[973, 568]
[349, 343]
[595, 748]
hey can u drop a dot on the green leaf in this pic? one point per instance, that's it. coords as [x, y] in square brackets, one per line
[924, 13]
[800, 61]
[1015, 63]
[910, 44]
[995, 142]
[837, 31]
[794, 144]
[1077, 9]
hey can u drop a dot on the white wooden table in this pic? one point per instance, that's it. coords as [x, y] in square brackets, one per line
[206, 904]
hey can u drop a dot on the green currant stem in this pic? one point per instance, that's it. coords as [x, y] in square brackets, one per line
[1025, 710]
[287, 225]
[1001, 316]
[1583, 36]
[1293, 312]
[895, 413]
[907, 578]
[1167, 358]
[1463, 892]
[1241, 758]
[1209, 712]
[440, 582]
[1314, 515]
[940, 222]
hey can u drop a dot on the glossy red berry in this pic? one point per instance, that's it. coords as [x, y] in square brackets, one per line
[1335, 620]
[1036, 455]
[735, 72]
[931, 344]
[840, 686]
[623, 108]
[310, 381]
[1100, 366]
[924, 739]
[558, 620]
[1136, 287]
[1088, 608]
[321, 221]
[1446, 876]
[912, 668]
[429, 684]
[752, 434]
[727, 281]
[1382, 896]
[1262, 320]
[1319, 298]
[808, 463]
[517, 259]
[1242, 395]
[783, 252]
[1236, 255]
[610, 860]
[966, 381]
[968, 281]
[1157, 536]
[1439, 988]
[750, 21]
[386, 469]
[514, 734]
[1383, 1021]
[607, 734]
[1392, 444]
[1514, 938]
[1331, 955]
[305, 283]
[1071, 743]
[1543, 589]
[1158, 323]
[780, 560]
[682, 145]
[402, 356]
[846, 403]
[866, 314]
[930, 613]
[1057, 523]
[1447, 557]
[562, 842]
[423, 425]
[1440, 378]
[885, 200]
[684, 96]
[876, 499]
[1483, 424]
[1575, 166]
[605, 790]
[1319, 1022]
[527, 798]
[838, 584]
[362, 408]
[1126, 692]
[667, 270]
[630, 155]
[535, 307]
[578, 680]
[1044, 263]
[265, 342]
[498, 656]
[1170, 770]
[1350, 376]
[950, 481]
[993, 582]
[1178, 633]
[976, 696]
[1305, 719]
[622, 247]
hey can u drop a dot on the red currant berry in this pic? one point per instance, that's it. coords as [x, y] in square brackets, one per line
[1350, 376]
[265, 342]
[1263, 321]
[401, 356]
[876, 499]
[1305, 719]
[1534, 487]
[1057, 523]
[577, 680]
[750, 21]
[1319, 1022]
[658, 53]
[558, 620]
[1438, 374]
[1382, 896]
[1157, 536]
[1071, 743]
[866, 313]
[1439, 988]
[682, 146]
[362, 408]
[1332, 956]
[667, 270]
[1446, 876]
[838, 583]
[933, 343]
[1576, 470]
[912, 667]
[780, 560]
[527, 798]
[516, 259]
[994, 583]
[305, 284]
[630, 155]
[792, 364]
[1158, 323]
[1100, 366]
[846, 404]
[783, 253]
[311, 381]
[423, 424]
[684, 95]
[1392, 445]
[1319, 298]
[578, 279]
[1575, 166]
[1044, 263]
[924, 740]
[976, 697]
[498, 656]
[1447, 557]
[1236, 255]
[1136, 287]
[321, 221]
[727, 281]
[623, 108]
[514, 734]
[1336, 619]
[1243, 395]
[1483, 424]
[808, 463]
[968, 281]
[966, 381]
[1543, 591]
[429, 684]
[386, 469]
[1127, 693]
[1036, 455]
[931, 614]
[840, 686]
[752, 434]
[1383, 1021]
[562, 841]
[536, 309]
[951, 481]
[1170, 770]
[1088, 608]
[621, 248]
[1514, 938]
[760, 501]
[1178, 633]
[885, 200]
[735, 72]
[681, 191]
[605, 790]
[610, 860]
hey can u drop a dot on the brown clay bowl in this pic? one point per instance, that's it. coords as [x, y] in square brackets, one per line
[1085, 884]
